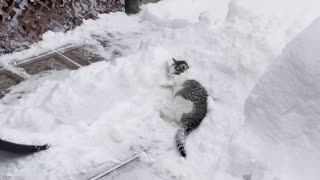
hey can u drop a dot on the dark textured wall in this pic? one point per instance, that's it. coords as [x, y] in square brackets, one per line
[22, 22]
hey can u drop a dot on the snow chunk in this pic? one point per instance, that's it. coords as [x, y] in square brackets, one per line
[180, 13]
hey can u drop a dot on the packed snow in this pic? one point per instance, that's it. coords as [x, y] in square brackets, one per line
[107, 111]
[283, 111]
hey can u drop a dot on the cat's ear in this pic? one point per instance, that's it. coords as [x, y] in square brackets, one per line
[174, 60]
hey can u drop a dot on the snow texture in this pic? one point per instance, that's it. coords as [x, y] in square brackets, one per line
[283, 110]
[102, 113]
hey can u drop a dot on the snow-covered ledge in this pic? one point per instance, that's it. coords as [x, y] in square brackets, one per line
[283, 111]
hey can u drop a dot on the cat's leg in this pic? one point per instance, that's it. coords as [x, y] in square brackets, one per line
[166, 86]
[167, 113]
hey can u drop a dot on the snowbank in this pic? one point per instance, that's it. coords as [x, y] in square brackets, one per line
[177, 13]
[284, 18]
[282, 113]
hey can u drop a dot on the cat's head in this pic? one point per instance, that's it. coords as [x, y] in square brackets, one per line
[178, 67]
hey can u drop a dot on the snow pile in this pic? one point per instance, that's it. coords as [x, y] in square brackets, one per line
[101, 113]
[282, 113]
[176, 13]
[285, 18]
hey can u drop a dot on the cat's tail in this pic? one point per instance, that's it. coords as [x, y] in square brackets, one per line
[181, 136]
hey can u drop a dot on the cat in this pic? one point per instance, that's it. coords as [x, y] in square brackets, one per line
[189, 103]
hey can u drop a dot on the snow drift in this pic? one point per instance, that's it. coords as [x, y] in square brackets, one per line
[283, 111]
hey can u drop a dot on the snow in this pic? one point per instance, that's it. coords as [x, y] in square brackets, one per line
[283, 110]
[104, 112]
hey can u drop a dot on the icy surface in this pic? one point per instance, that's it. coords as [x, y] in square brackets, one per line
[102, 113]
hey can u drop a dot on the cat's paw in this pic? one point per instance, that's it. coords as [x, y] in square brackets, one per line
[167, 86]
[162, 115]
[165, 114]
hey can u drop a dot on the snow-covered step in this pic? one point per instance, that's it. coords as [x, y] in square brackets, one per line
[8, 79]
[68, 57]
[65, 58]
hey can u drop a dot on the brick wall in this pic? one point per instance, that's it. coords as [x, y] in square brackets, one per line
[22, 22]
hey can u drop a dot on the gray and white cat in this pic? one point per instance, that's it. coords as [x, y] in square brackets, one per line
[188, 106]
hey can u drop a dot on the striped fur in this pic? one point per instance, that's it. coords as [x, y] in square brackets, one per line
[186, 91]
[193, 91]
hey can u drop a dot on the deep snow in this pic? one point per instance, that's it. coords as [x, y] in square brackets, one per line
[283, 111]
[101, 113]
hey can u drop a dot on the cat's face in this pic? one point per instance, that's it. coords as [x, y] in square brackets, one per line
[178, 67]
